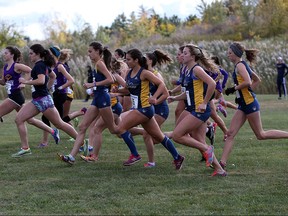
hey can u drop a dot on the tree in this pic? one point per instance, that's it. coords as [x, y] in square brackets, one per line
[10, 36]
[272, 17]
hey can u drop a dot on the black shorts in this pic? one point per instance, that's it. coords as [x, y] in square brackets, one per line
[17, 97]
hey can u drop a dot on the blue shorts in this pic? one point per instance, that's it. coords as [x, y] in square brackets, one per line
[117, 109]
[147, 111]
[43, 103]
[162, 110]
[101, 99]
[203, 116]
[250, 108]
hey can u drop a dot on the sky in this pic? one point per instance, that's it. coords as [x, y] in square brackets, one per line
[28, 15]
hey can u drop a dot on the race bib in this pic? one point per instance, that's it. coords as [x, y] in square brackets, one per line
[134, 100]
[32, 88]
[69, 90]
[8, 86]
[188, 98]
[237, 94]
[183, 89]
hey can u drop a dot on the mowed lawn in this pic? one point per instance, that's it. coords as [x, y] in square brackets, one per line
[40, 184]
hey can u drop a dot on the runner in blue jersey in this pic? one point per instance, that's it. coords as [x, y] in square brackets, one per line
[245, 81]
[198, 89]
[142, 112]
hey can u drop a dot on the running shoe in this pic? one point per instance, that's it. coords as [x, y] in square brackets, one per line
[56, 136]
[150, 164]
[89, 158]
[223, 165]
[209, 155]
[221, 174]
[66, 159]
[222, 110]
[178, 162]
[22, 152]
[132, 160]
[42, 145]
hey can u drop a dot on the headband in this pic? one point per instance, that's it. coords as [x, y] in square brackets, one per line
[55, 51]
[236, 50]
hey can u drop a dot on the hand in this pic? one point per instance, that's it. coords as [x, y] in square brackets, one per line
[229, 91]
[22, 80]
[171, 99]
[202, 107]
[152, 100]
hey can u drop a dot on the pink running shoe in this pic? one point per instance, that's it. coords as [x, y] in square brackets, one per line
[132, 160]
[221, 174]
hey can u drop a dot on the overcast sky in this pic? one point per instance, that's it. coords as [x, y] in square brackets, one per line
[27, 14]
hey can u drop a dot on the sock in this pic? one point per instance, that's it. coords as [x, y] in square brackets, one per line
[168, 144]
[128, 139]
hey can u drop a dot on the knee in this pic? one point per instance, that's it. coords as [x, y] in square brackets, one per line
[30, 121]
[260, 136]
[176, 137]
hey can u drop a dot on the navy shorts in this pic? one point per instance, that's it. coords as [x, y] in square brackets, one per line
[149, 112]
[101, 99]
[203, 116]
[43, 103]
[250, 108]
[162, 110]
[117, 109]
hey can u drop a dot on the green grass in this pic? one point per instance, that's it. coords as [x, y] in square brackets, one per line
[41, 184]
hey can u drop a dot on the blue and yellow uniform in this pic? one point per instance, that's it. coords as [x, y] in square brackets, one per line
[161, 109]
[245, 97]
[101, 93]
[195, 92]
[139, 93]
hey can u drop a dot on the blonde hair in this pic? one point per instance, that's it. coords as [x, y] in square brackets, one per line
[200, 57]
[65, 54]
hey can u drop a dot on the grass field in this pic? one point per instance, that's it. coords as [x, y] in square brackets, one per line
[40, 184]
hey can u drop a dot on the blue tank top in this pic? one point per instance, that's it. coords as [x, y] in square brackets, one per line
[11, 79]
[97, 77]
[245, 95]
[139, 90]
[195, 90]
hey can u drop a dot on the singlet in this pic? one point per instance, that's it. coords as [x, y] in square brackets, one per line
[60, 79]
[153, 89]
[139, 90]
[246, 94]
[195, 90]
[11, 79]
[97, 77]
